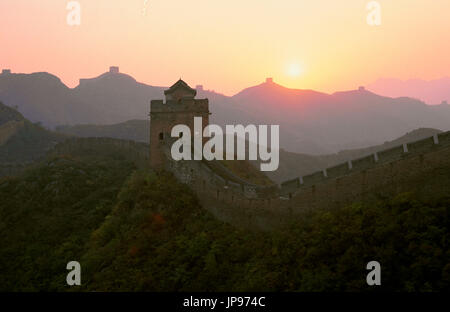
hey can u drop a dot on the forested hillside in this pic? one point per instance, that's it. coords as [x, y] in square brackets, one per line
[22, 140]
[133, 229]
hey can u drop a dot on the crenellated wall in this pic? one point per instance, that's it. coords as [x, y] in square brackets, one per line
[382, 174]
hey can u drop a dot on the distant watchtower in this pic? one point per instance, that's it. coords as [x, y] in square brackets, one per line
[180, 107]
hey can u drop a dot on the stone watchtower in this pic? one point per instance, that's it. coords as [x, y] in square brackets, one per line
[180, 107]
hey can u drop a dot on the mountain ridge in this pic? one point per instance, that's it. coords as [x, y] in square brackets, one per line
[433, 91]
[310, 122]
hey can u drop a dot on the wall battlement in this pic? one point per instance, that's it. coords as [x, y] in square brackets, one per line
[184, 105]
[368, 162]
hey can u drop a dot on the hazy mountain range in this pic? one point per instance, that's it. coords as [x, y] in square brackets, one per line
[432, 92]
[310, 122]
[22, 141]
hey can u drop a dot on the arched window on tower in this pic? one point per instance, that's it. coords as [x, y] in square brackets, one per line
[161, 136]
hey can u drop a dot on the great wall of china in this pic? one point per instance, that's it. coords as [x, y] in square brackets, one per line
[384, 173]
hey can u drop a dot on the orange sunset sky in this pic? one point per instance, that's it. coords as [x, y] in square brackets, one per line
[227, 45]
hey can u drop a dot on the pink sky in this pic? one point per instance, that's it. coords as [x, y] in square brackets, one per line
[229, 45]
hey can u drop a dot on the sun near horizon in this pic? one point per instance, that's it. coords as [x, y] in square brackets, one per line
[294, 70]
[227, 46]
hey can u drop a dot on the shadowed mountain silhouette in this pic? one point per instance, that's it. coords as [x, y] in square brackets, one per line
[343, 120]
[118, 96]
[310, 122]
[43, 97]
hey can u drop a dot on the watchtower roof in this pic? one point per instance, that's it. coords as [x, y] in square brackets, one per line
[180, 84]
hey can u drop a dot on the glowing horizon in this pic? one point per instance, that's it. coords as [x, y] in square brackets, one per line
[228, 46]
